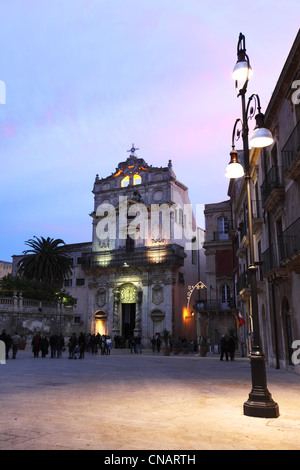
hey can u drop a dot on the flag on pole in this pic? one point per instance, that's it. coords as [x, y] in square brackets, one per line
[239, 319]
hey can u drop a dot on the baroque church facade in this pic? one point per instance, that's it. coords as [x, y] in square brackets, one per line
[146, 251]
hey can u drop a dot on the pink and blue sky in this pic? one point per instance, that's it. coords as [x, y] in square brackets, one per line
[87, 78]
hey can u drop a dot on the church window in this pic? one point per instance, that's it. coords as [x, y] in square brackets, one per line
[137, 179]
[125, 182]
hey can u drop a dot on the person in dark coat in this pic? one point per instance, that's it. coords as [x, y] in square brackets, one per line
[36, 344]
[224, 348]
[158, 344]
[231, 347]
[81, 344]
[60, 345]
[44, 346]
[53, 345]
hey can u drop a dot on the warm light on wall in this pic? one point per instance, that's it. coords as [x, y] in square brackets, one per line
[187, 316]
[104, 260]
[100, 326]
[184, 313]
[157, 256]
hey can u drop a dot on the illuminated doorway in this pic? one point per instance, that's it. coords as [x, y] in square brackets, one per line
[100, 323]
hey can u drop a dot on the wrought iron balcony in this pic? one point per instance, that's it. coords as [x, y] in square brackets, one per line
[272, 190]
[171, 255]
[289, 245]
[291, 154]
[211, 305]
[270, 259]
[242, 282]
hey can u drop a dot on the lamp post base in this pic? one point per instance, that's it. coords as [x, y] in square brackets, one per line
[260, 403]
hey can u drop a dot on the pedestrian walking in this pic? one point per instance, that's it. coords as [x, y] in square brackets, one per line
[16, 340]
[60, 345]
[81, 344]
[36, 344]
[138, 344]
[53, 345]
[132, 345]
[153, 342]
[7, 341]
[44, 346]
[158, 342]
[72, 343]
[223, 347]
[231, 347]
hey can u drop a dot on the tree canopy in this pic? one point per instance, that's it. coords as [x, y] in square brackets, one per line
[46, 261]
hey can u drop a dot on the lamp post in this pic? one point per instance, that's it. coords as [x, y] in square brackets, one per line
[260, 402]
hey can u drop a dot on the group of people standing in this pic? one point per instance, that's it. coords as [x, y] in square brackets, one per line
[11, 342]
[90, 343]
[227, 347]
[135, 344]
[40, 344]
[156, 342]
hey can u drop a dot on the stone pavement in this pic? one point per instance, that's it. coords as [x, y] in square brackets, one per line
[141, 402]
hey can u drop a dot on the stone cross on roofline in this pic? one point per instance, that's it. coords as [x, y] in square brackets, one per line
[133, 150]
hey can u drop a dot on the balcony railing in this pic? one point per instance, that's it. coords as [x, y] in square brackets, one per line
[270, 258]
[212, 305]
[20, 305]
[172, 255]
[291, 153]
[289, 241]
[242, 282]
[272, 182]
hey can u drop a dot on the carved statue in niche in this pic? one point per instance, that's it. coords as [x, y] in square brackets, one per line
[157, 294]
[101, 297]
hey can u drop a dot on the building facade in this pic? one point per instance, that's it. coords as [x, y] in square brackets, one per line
[5, 268]
[133, 277]
[144, 253]
[275, 173]
[219, 272]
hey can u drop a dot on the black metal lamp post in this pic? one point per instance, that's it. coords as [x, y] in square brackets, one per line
[260, 402]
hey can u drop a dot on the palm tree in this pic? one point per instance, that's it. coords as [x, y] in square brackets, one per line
[46, 261]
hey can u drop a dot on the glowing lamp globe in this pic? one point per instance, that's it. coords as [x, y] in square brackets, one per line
[242, 71]
[234, 168]
[260, 137]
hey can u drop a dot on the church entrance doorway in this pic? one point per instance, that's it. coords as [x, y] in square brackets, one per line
[128, 320]
[100, 322]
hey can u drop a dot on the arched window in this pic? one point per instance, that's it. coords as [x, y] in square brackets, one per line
[125, 182]
[225, 295]
[137, 179]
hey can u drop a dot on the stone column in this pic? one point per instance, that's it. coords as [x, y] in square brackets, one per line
[116, 317]
[138, 319]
